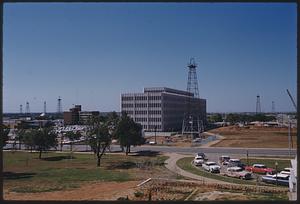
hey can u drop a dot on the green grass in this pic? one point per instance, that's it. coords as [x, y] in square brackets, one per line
[56, 171]
[185, 164]
[268, 162]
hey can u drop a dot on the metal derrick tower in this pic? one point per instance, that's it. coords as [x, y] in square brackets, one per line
[21, 109]
[27, 110]
[258, 109]
[59, 106]
[45, 107]
[191, 123]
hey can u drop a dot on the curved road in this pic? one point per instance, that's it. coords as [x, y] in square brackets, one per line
[193, 150]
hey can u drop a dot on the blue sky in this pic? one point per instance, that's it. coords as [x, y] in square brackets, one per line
[91, 53]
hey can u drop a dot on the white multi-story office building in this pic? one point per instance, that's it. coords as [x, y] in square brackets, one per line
[162, 108]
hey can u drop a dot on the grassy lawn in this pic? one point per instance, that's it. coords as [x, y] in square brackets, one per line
[24, 172]
[185, 164]
[268, 162]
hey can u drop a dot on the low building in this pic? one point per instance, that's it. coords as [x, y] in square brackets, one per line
[72, 117]
[84, 116]
[161, 108]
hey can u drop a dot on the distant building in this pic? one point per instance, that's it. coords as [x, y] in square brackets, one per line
[161, 107]
[75, 116]
[84, 116]
[72, 117]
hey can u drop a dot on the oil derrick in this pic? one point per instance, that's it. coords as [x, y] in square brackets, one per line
[45, 107]
[27, 110]
[258, 109]
[273, 107]
[21, 109]
[59, 106]
[191, 123]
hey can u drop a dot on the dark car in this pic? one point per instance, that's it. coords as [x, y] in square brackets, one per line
[201, 154]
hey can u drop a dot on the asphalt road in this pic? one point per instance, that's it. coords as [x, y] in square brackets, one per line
[193, 150]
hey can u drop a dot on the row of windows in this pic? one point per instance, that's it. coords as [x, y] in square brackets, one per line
[151, 105]
[154, 119]
[140, 105]
[140, 98]
[127, 98]
[140, 119]
[141, 112]
[127, 105]
[154, 112]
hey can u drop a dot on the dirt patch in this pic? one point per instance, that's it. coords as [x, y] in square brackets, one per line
[87, 191]
[254, 137]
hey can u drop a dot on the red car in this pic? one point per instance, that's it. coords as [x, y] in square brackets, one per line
[259, 168]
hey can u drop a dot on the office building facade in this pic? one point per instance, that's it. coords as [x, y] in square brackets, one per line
[162, 108]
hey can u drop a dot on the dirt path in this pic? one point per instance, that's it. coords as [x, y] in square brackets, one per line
[88, 191]
[172, 166]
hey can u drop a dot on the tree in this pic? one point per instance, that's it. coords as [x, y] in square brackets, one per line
[72, 136]
[5, 130]
[44, 139]
[19, 135]
[129, 133]
[28, 138]
[99, 137]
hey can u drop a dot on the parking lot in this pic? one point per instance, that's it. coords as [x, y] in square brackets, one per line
[255, 177]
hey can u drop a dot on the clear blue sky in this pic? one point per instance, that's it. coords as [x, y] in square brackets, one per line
[91, 53]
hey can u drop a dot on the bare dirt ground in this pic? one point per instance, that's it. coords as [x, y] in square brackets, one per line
[175, 140]
[254, 137]
[88, 191]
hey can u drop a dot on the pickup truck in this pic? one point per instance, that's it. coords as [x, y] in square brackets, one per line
[259, 168]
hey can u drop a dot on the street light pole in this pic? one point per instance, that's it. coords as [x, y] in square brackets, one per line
[289, 124]
[155, 127]
[276, 164]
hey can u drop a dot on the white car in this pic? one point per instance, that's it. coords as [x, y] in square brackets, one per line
[198, 161]
[211, 167]
[286, 171]
[238, 172]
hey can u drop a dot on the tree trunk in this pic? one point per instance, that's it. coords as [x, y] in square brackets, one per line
[98, 152]
[19, 144]
[71, 148]
[100, 156]
[126, 150]
[40, 155]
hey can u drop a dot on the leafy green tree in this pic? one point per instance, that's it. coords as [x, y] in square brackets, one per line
[99, 137]
[5, 130]
[72, 136]
[129, 133]
[28, 139]
[19, 135]
[44, 139]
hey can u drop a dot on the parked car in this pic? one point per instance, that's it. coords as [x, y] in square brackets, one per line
[197, 140]
[212, 167]
[152, 142]
[286, 171]
[198, 161]
[235, 162]
[259, 168]
[201, 155]
[282, 179]
[238, 172]
[224, 159]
